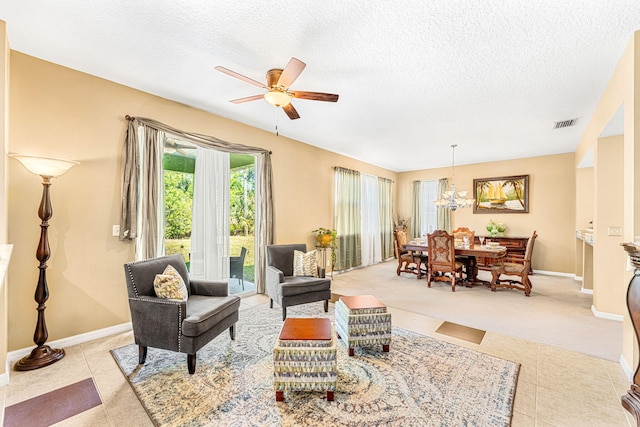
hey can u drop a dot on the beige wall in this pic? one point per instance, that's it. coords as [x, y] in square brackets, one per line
[623, 89]
[608, 283]
[59, 112]
[584, 214]
[4, 141]
[551, 204]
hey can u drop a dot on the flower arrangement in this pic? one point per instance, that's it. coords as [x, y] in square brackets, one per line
[400, 222]
[495, 228]
[326, 237]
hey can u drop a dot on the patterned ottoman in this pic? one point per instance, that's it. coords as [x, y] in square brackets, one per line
[362, 320]
[304, 357]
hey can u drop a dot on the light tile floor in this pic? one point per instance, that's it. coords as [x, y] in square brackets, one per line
[556, 387]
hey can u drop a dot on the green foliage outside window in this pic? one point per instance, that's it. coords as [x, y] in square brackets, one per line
[178, 193]
[242, 202]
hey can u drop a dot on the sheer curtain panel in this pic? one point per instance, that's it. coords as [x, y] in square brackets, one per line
[210, 217]
[370, 220]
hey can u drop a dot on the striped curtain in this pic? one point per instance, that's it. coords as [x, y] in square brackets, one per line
[347, 218]
[444, 214]
[386, 217]
[416, 201]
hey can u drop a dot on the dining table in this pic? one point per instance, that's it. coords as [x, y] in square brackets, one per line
[471, 250]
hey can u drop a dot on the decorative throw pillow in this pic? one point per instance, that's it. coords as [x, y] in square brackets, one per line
[170, 285]
[305, 264]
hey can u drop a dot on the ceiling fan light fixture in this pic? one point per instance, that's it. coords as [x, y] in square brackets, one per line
[277, 98]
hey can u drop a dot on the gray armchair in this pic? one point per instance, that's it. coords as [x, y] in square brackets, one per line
[182, 326]
[285, 288]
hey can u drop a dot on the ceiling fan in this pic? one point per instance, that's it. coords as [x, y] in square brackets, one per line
[278, 82]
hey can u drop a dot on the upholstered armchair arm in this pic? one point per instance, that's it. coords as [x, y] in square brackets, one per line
[273, 279]
[274, 275]
[209, 288]
[157, 321]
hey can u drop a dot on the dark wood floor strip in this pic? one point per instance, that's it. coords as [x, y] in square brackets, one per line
[461, 332]
[53, 407]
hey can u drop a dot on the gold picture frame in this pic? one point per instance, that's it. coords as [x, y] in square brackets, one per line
[506, 194]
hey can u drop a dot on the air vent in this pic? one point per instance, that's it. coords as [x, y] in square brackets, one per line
[565, 123]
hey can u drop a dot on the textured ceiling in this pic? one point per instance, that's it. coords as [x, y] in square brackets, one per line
[413, 76]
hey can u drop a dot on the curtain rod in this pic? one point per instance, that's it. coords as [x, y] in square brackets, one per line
[358, 172]
[131, 118]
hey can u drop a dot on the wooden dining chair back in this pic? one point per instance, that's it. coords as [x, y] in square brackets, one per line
[514, 266]
[442, 258]
[468, 261]
[408, 262]
[460, 232]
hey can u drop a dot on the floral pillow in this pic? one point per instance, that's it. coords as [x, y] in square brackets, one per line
[170, 285]
[305, 264]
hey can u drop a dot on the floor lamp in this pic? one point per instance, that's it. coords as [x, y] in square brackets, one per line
[47, 168]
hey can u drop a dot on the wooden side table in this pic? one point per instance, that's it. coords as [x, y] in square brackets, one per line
[362, 320]
[305, 357]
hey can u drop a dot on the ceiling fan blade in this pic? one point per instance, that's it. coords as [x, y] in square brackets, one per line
[291, 72]
[315, 96]
[291, 112]
[240, 76]
[247, 99]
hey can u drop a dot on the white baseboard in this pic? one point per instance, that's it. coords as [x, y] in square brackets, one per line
[578, 278]
[554, 273]
[628, 372]
[609, 316]
[69, 341]
[586, 291]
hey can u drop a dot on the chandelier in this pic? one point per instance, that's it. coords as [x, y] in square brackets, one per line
[453, 199]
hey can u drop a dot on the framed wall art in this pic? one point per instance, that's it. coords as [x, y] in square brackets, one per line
[506, 194]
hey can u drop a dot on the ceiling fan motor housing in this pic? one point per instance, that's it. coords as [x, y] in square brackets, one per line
[273, 75]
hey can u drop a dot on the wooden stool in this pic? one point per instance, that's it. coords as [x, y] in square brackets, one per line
[305, 357]
[362, 320]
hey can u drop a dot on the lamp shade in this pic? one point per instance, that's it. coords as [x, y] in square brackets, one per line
[277, 98]
[44, 166]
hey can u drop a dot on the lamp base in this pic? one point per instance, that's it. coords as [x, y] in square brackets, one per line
[40, 357]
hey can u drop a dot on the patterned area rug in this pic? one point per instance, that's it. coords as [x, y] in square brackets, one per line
[420, 382]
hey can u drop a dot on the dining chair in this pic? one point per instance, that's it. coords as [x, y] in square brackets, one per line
[408, 261]
[441, 252]
[236, 266]
[468, 261]
[514, 266]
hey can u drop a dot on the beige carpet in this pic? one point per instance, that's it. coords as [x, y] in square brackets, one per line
[556, 313]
